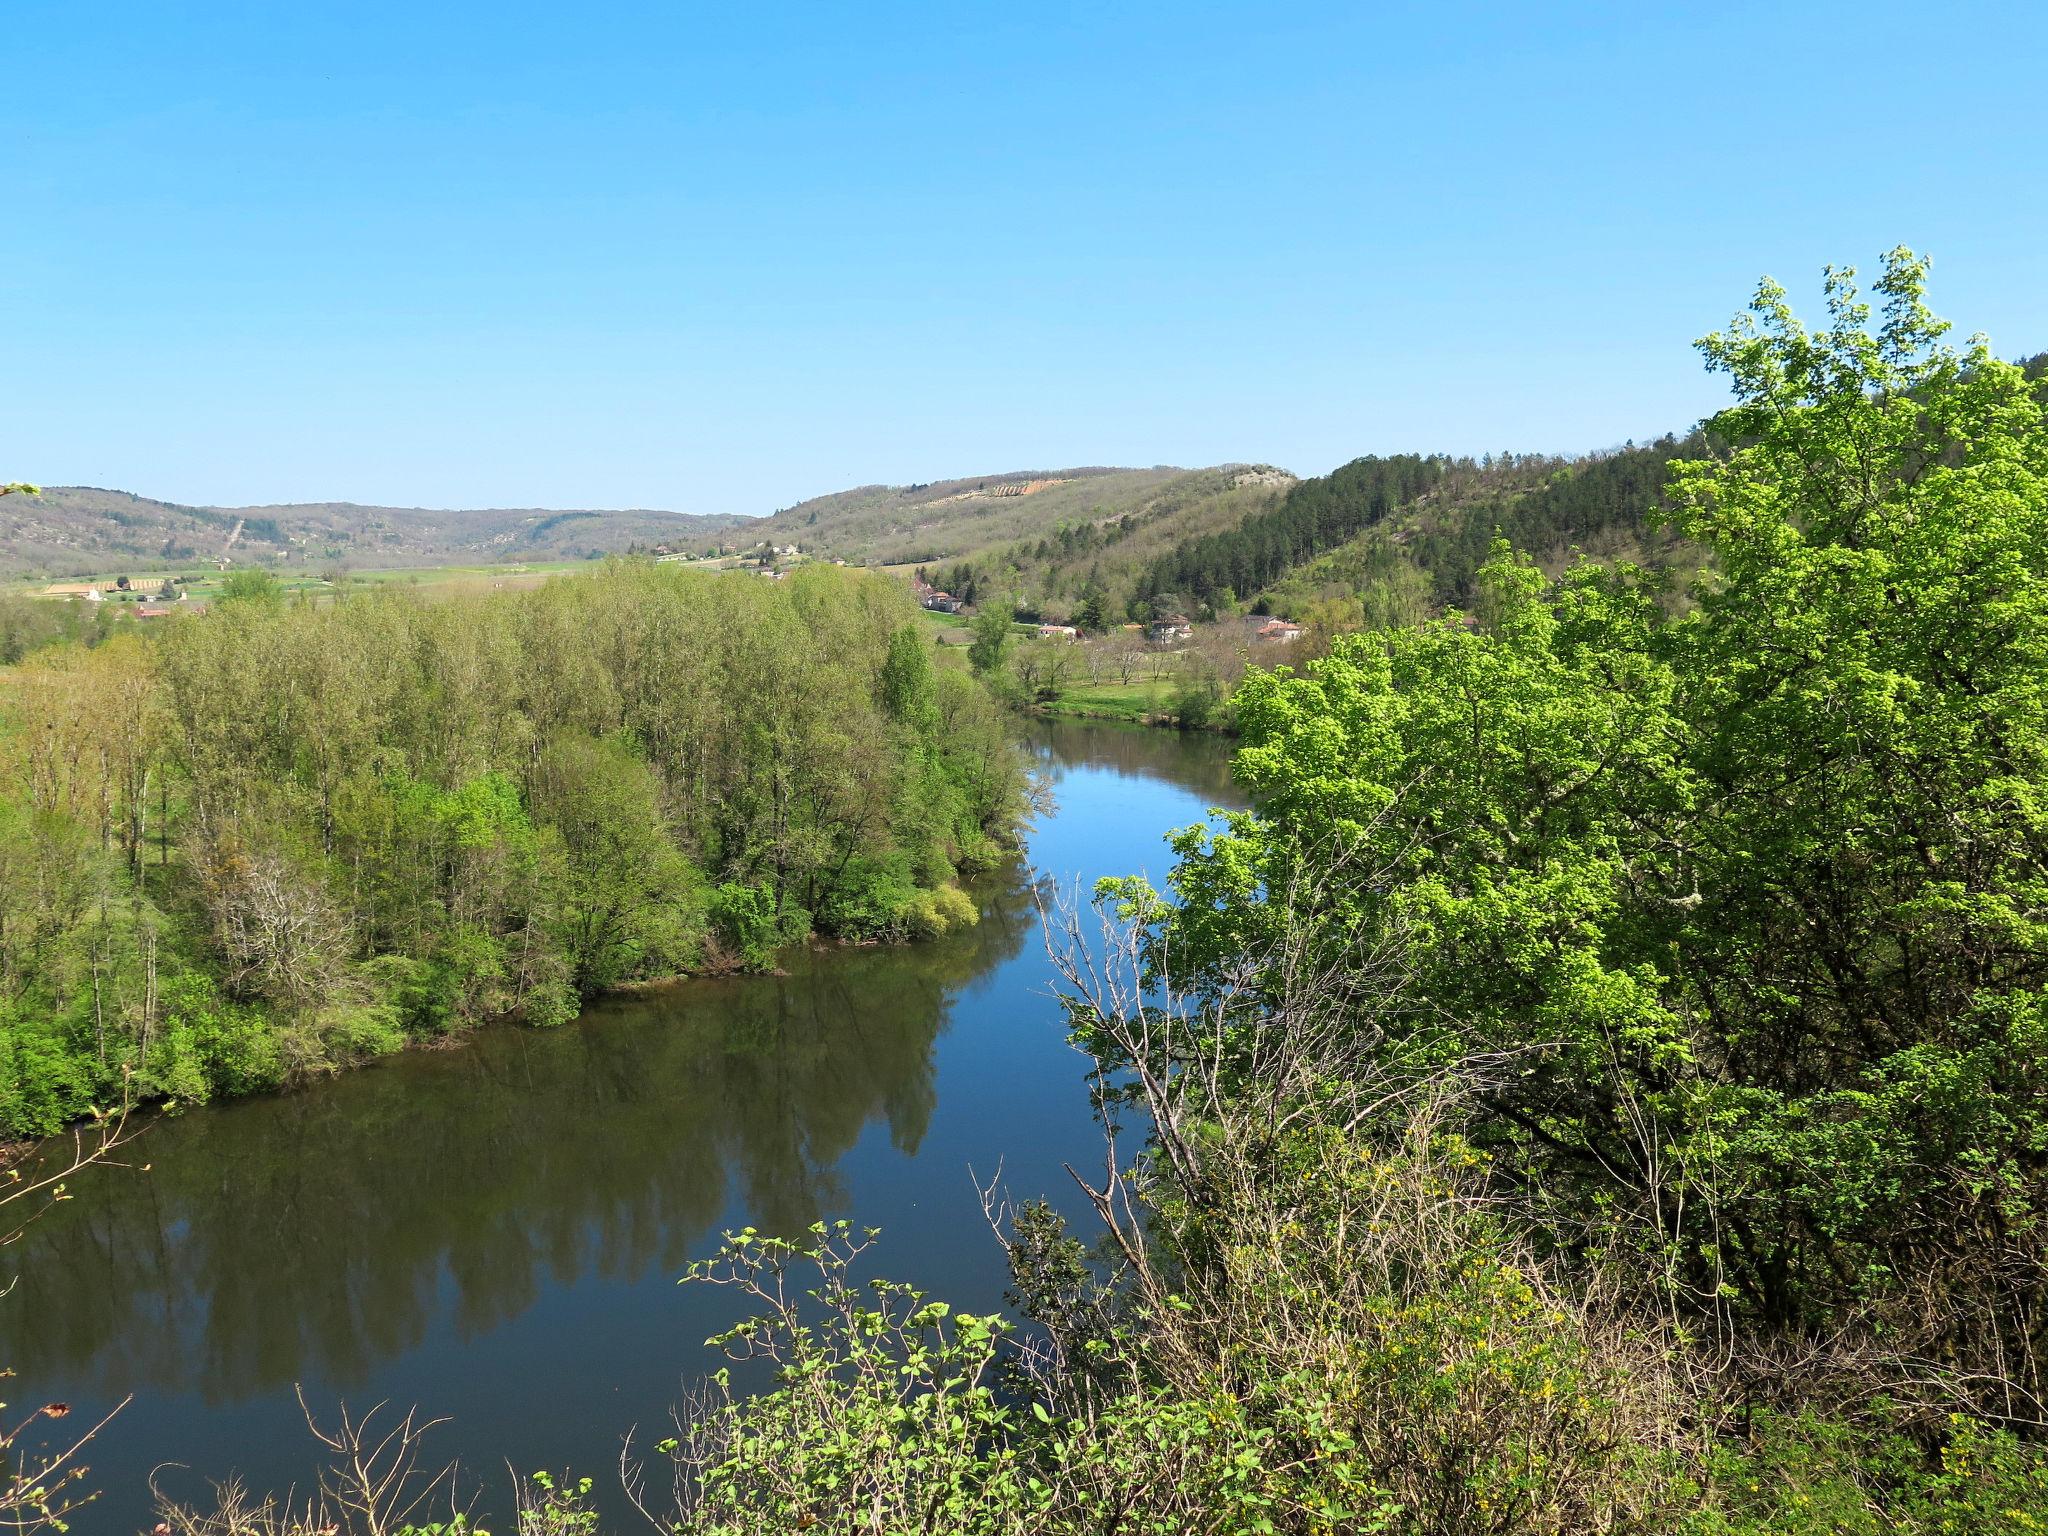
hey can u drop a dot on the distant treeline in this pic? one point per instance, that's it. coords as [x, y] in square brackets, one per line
[269, 840]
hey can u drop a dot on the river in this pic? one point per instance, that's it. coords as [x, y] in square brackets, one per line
[493, 1232]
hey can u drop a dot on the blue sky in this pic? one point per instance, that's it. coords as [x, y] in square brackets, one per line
[718, 259]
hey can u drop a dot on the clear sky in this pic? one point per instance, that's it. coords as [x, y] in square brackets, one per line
[722, 258]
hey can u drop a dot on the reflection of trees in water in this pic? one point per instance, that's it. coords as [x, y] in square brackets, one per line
[1195, 761]
[324, 1231]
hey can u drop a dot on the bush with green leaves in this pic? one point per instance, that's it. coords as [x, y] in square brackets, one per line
[1753, 897]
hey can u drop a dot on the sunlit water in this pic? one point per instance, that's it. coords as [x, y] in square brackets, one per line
[493, 1232]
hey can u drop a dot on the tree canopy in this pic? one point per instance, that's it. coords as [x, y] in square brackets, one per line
[273, 838]
[1752, 899]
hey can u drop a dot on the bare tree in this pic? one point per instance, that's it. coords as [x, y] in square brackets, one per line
[377, 1482]
[1308, 1201]
[1128, 653]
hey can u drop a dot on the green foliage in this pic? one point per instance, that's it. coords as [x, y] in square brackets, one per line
[888, 1399]
[1197, 701]
[28, 624]
[1766, 878]
[251, 584]
[1081, 562]
[1805, 1475]
[907, 680]
[933, 914]
[1403, 1373]
[552, 1506]
[1314, 516]
[869, 898]
[628, 900]
[1426, 557]
[281, 838]
[991, 644]
[1596, 1089]
[1091, 609]
[747, 920]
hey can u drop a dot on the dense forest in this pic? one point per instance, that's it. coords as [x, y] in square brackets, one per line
[1597, 1088]
[259, 843]
[1316, 515]
[1400, 537]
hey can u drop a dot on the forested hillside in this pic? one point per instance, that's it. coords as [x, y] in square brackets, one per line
[1389, 536]
[1424, 557]
[81, 530]
[269, 840]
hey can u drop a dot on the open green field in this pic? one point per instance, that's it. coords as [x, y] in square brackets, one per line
[1135, 701]
[948, 628]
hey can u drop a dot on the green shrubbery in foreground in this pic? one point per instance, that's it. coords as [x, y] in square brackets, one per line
[1596, 1090]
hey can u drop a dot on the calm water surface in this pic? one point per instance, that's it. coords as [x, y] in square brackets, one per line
[493, 1232]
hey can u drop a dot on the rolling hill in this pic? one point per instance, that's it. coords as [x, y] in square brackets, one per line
[1147, 540]
[951, 519]
[1402, 534]
[83, 530]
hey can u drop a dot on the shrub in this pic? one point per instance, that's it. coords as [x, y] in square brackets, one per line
[748, 923]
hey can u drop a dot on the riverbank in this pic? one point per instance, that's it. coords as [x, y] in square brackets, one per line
[1148, 704]
[353, 826]
[492, 1230]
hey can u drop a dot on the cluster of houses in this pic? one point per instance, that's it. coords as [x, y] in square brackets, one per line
[1161, 631]
[768, 560]
[1175, 626]
[122, 589]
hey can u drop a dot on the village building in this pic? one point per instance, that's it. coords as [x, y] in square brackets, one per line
[1173, 627]
[1278, 631]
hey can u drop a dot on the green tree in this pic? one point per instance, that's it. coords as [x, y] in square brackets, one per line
[282, 837]
[991, 643]
[254, 585]
[1091, 613]
[1750, 899]
[629, 906]
[907, 679]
